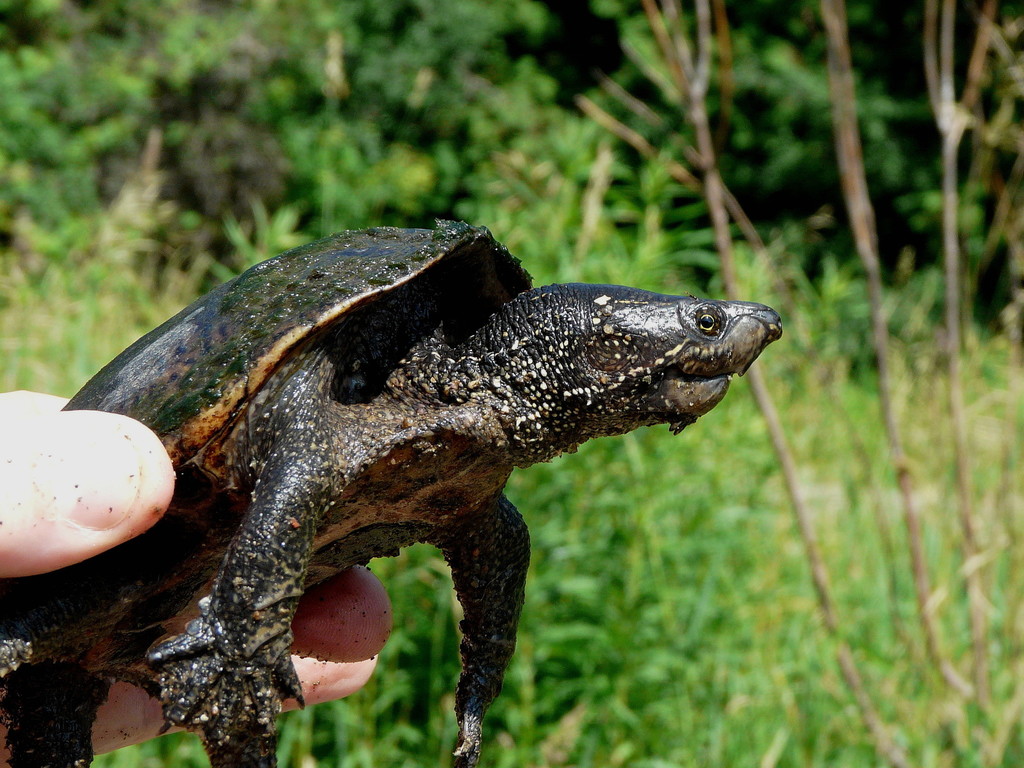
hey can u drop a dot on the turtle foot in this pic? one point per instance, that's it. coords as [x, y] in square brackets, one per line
[230, 700]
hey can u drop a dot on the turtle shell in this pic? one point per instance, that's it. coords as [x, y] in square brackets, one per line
[190, 377]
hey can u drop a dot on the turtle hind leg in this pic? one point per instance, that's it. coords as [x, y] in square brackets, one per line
[49, 709]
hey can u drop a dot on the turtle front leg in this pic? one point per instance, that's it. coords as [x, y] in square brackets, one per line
[489, 559]
[227, 674]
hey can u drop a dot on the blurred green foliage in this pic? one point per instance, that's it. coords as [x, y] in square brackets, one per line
[396, 112]
[354, 113]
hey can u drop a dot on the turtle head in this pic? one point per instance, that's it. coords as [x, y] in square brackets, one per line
[652, 358]
[561, 364]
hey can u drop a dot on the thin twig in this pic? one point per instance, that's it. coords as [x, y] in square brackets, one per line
[931, 57]
[629, 101]
[1013, 319]
[951, 119]
[1007, 726]
[976, 65]
[661, 37]
[726, 81]
[885, 745]
[695, 107]
[673, 21]
[999, 230]
[1008, 56]
[862, 223]
[664, 83]
[1010, 222]
[616, 127]
[676, 170]
[705, 36]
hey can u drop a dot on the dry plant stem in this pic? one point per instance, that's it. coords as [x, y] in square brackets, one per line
[631, 102]
[862, 223]
[1006, 208]
[726, 81]
[994, 750]
[976, 65]
[597, 187]
[1008, 211]
[887, 748]
[1008, 496]
[693, 102]
[668, 53]
[951, 119]
[1006, 53]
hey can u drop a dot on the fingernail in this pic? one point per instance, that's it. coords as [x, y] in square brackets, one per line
[102, 472]
[106, 492]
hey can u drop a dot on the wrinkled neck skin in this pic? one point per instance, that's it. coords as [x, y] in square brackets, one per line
[524, 367]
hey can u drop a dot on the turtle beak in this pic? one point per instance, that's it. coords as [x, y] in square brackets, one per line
[767, 316]
[769, 320]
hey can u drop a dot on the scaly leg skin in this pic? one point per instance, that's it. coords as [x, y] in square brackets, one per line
[489, 563]
[49, 710]
[226, 676]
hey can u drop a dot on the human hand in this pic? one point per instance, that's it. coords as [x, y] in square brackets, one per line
[75, 483]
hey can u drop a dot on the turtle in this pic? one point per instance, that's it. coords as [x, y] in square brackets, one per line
[330, 405]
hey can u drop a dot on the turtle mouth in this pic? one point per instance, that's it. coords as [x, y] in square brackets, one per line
[688, 396]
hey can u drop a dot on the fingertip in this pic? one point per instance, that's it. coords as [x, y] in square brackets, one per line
[327, 680]
[75, 483]
[153, 483]
[345, 619]
[128, 716]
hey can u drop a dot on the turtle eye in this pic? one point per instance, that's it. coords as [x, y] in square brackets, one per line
[707, 322]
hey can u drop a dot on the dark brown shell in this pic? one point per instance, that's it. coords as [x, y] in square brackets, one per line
[190, 377]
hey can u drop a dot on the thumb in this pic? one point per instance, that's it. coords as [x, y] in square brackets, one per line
[73, 483]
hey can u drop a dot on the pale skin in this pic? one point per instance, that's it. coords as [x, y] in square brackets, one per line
[73, 484]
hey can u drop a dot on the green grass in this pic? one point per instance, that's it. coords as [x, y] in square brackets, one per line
[670, 617]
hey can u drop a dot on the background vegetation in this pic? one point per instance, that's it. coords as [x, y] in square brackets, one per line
[828, 573]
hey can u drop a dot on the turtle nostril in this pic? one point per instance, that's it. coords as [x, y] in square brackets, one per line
[770, 319]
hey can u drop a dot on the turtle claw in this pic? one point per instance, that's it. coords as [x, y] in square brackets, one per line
[467, 753]
[13, 653]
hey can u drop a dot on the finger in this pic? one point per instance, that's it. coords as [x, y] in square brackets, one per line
[128, 716]
[24, 403]
[346, 618]
[73, 484]
[329, 680]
